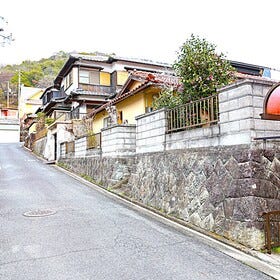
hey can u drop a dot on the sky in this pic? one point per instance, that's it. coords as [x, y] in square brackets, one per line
[244, 30]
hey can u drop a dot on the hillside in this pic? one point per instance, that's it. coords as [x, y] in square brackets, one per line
[33, 74]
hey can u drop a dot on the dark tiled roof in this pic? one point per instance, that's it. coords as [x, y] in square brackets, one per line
[112, 58]
[156, 78]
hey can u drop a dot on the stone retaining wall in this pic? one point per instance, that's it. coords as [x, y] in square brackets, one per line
[103, 171]
[222, 189]
[39, 146]
[217, 178]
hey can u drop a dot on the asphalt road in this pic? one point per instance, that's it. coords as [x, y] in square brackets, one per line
[91, 236]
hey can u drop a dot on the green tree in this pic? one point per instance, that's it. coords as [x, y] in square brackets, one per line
[168, 98]
[201, 69]
[37, 73]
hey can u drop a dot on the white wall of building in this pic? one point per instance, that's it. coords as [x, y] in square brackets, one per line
[9, 131]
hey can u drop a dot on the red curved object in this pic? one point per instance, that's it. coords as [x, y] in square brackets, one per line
[273, 102]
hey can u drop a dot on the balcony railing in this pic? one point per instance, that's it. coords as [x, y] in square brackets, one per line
[52, 95]
[97, 89]
[194, 114]
[72, 115]
[75, 115]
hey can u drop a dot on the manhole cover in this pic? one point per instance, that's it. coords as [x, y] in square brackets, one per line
[39, 213]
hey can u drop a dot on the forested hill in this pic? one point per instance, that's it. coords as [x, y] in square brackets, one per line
[37, 73]
[33, 74]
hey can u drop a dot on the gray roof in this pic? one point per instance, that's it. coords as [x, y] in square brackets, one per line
[107, 58]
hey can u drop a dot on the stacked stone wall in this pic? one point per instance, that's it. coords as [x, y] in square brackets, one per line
[222, 189]
[103, 171]
[218, 178]
[39, 146]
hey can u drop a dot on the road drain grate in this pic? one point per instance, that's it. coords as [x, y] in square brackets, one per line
[39, 213]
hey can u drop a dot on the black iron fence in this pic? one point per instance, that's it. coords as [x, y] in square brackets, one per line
[272, 229]
[194, 114]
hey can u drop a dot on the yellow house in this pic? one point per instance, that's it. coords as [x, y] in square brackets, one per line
[29, 102]
[135, 98]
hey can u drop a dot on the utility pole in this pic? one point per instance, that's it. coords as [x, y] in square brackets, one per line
[19, 91]
[8, 94]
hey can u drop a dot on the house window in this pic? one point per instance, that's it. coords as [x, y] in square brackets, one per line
[84, 77]
[89, 77]
[120, 117]
[106, 122]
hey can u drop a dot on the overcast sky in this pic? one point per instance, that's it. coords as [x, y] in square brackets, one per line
[244, 30]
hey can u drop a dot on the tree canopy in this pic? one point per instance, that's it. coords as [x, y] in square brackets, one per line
[201, 70]
[32, 73]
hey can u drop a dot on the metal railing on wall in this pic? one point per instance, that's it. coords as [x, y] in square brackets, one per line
[69, 147]
[194, 114]
[272, 229]
[94, 141]
[267, 138]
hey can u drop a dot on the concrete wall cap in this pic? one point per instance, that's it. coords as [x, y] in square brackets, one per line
[248, 81]
[119, 125]
[150, 114]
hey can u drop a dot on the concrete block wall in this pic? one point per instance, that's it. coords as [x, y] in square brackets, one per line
[63, 134]
[81, 147]
[193, 138]
[62, 150]
[96, 152]
[118, 140]
[151, 132]
[240, 106]
[9, 130]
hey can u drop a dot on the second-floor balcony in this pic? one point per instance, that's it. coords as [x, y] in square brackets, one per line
[96, 89]
[53, 94]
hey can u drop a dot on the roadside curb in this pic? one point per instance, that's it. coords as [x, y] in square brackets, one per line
[234, 250]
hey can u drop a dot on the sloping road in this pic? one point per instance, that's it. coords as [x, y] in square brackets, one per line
[91, 236]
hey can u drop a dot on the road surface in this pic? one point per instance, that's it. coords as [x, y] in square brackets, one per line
[89, 235]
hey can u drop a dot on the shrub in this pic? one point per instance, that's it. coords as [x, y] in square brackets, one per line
[201, 69]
